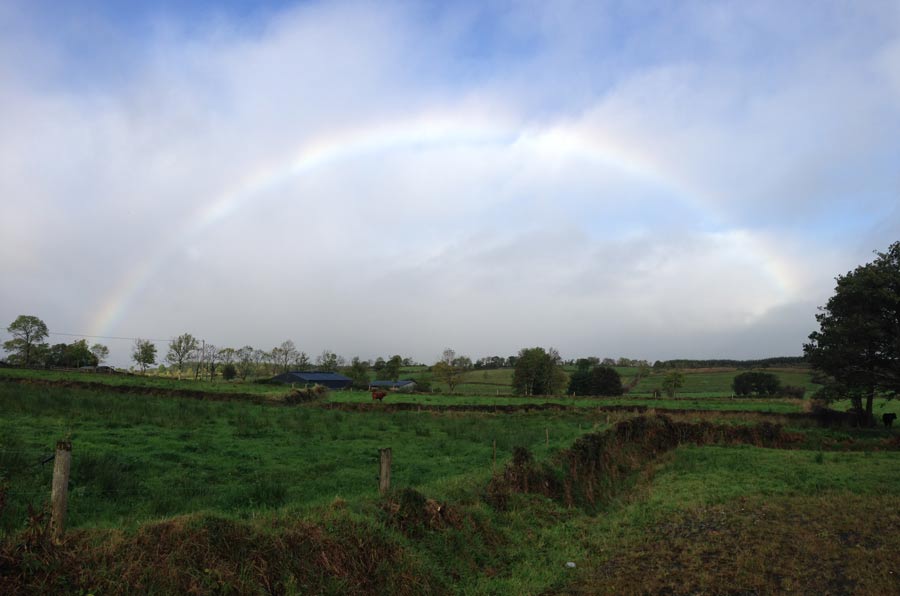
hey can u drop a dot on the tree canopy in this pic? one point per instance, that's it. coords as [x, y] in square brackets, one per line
[758, 383]
[27, 346]
[538, 372]
[599, 380]
[143, 353]
[858, 341]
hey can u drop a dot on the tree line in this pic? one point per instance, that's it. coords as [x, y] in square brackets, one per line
[29, 348]
[856, 348]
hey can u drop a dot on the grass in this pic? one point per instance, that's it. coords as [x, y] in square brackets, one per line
[879, 407]
[139, 457]
[700, 383]
[145, 381]
[182, 495]
[749, 520]
[725, 404]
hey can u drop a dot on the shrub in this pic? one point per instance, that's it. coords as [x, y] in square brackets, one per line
[600, 380]
[229, 372]
[758, 383]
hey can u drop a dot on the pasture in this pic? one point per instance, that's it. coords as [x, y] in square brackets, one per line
[216, 495]
[699, 383]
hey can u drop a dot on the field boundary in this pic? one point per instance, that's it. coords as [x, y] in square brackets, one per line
[143, 390]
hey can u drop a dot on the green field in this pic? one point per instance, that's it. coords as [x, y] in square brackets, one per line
[136, 457]
[698, 383]
[146, 381]
[174, 494]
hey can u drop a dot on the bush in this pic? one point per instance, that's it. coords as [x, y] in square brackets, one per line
[600, 380]
[229, 372]
[758, 383]
[423, 384]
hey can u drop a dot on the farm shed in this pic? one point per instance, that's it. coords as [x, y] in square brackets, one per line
[393, 385]
[328, 379]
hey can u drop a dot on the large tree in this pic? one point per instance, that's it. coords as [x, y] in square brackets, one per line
[181, 349]
[100, 352]
[143, 353]
[27, 344]
[391, 369]
[858, 341]
[538, 372]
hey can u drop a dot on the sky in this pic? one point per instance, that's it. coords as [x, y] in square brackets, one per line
[643, 179]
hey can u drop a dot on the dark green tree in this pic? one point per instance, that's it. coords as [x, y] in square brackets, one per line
[758, 383]
[580, 381]
[605, 380]
[229, 371]
[27, 343]
[858, 341]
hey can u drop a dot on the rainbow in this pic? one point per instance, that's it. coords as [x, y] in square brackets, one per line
[431, 130]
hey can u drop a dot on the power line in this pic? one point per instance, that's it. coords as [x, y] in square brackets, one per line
[105, 336]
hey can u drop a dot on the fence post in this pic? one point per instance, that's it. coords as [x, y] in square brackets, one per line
[59, 493]
[384, 481]
[494, 458]
[547, 431]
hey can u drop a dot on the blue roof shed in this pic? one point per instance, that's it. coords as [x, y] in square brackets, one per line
[328, 379]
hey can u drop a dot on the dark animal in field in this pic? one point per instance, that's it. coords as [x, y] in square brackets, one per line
[888, 419]
[379, 395]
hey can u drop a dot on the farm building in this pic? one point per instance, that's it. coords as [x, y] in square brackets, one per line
[328, 379]
[393, 385]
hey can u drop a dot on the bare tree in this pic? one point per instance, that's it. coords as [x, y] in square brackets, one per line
[260, 358]
[226, 356]
[284, 355]
[210, 359]
[329, 361]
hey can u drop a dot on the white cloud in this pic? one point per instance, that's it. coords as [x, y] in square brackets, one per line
[597, 194]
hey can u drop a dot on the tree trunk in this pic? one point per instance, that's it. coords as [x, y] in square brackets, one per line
[870, 418]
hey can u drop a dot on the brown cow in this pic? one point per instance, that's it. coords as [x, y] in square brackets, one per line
[379, 395]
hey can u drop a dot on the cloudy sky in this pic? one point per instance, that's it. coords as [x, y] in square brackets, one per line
[653, 180]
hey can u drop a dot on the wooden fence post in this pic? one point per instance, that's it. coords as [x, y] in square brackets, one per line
[384, 481]
[494, 458]
[59, 493]
[547, 431]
